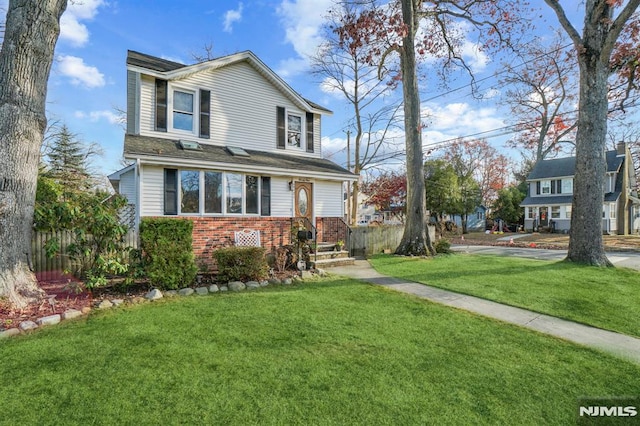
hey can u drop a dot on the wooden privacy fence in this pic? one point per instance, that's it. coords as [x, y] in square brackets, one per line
[54, 268]
[368, 240]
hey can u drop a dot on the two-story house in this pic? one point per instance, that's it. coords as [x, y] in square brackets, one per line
[229, 145]
[549, 201]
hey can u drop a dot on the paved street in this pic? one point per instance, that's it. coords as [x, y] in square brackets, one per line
[622, 259]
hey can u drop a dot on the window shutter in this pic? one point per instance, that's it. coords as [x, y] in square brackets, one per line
[309, 132]
[170, 191]
[265, 197]
[161, 105]
[553, 186]
[205, 113]
[282, 134]
[559, 186]
[538, 188]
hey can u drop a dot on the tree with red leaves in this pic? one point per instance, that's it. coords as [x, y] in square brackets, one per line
[414, 28]
[388, 193]
[603, 24]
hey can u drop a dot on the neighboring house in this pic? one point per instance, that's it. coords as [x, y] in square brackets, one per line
[548, 203]
[229, 145]
[476, 220]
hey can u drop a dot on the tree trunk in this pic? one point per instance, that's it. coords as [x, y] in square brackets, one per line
[586, 244]
[415, 240]
[585, 241]
[32, 28]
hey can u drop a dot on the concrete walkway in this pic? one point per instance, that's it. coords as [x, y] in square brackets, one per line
[618, 344]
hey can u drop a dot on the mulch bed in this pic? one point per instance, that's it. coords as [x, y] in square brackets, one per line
[61, 296]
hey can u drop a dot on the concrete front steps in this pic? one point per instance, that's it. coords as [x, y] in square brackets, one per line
[328, 256]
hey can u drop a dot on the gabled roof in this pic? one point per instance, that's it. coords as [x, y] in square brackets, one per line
[565, 167]
[168, 152]
[170, 70]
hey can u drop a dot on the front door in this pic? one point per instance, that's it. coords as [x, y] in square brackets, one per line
[544, 216]
[304, 200]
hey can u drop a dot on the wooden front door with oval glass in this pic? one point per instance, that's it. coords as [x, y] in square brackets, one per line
[304, 200]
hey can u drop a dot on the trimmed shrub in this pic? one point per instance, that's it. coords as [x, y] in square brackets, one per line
[167, 252]
[241, 264]
[442, 246]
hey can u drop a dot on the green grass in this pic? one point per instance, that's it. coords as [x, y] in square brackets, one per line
[338, 352]
[607, 298]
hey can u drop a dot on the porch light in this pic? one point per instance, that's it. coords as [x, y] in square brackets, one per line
[291, 185]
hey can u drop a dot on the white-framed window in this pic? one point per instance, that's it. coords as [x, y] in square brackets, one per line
[567, 212]
[182, 114]
[189, 191]
[545, 187]
[567, 186]
[530, 213]
[612, 211]
[555, 212]
[205, 192]
[295, 131]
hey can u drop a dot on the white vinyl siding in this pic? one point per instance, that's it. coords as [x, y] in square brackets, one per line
[328, 199]
[281, 197]
[127, 186]
[243, 108]
[152, 191]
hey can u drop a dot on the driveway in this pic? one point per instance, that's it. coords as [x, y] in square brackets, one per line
[622, 259]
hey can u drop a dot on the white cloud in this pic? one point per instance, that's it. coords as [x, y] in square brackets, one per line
[71, 29]
[458, 119]
[80, 73]
[95, 116]
[232, 16]
[292, 66]
[302, 20]
[474, 56]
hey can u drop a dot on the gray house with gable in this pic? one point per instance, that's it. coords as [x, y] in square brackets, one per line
[548, 204]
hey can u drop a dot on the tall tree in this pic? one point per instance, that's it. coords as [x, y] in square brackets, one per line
[442, 188]
[340, 65]
[433, 28]
[477, 160]
[542, 90]
[31, 31]
[600, 31]
[68, 160]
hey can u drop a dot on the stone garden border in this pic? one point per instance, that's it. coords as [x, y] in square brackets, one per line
[155, 294]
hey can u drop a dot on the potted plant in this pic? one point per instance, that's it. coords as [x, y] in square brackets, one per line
[339, 245]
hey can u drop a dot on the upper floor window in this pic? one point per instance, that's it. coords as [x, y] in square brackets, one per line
[294, 130]
[545, 187]
[182, 110]
[567, 186]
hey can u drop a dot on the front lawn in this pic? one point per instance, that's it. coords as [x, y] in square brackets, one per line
[607, 298]
[335, 352]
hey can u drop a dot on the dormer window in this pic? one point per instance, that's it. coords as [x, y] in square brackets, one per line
[294, 130]
[183, 110]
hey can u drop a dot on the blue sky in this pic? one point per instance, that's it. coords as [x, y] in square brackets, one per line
[87, 82]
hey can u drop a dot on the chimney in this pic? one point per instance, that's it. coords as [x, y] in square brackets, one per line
[621, 148]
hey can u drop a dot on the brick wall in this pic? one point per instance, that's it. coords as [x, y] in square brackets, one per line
[211, 233]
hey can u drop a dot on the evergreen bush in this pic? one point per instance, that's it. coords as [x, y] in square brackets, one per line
[241, 264]
[167, 252]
